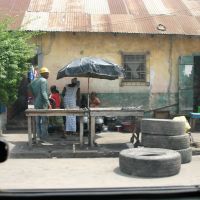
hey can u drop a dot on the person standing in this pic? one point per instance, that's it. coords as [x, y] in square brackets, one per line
[72, 92]
[39, 90]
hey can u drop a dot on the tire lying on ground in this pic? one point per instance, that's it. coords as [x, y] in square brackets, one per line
[162, 127]
[186, 155]
[150, 162]
[175, 142]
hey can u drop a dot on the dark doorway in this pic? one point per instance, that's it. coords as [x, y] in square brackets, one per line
[196, 83]
[16, 118]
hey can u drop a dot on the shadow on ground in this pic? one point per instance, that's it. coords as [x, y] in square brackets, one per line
[107, 144]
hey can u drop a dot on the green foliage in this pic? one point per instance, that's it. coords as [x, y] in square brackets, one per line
[15, 52]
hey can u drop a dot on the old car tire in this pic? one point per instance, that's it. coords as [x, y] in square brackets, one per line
[150, 162]
[165, 141]
[162, 127]
[186, 155]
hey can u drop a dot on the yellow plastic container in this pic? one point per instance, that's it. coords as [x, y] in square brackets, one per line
[183, 119]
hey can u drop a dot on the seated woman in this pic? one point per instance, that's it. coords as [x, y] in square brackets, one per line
[94, 100]
[94, 103]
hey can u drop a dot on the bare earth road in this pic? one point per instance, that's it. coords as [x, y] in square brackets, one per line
[85, 173]
[45, 173]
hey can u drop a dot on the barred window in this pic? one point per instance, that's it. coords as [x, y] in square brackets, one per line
[135, 67]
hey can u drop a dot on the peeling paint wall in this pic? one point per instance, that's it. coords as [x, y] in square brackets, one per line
[162, 68]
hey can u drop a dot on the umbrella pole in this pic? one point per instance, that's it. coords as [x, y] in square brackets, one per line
[88, 92]
[89, 120]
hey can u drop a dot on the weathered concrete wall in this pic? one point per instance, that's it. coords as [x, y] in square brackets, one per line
[162, 65]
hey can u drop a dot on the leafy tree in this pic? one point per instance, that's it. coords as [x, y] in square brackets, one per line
[15, 52]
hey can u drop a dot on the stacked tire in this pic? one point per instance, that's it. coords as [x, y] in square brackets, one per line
[166, 134]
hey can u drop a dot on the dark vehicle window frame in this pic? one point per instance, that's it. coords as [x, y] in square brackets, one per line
[162, 193]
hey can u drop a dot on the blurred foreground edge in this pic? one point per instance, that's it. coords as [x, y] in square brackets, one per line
[4, 150]
[127, 193]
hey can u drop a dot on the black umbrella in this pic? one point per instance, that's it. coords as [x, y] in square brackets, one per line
[91, 67]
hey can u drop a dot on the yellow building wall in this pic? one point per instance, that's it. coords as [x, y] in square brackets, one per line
[162, 65]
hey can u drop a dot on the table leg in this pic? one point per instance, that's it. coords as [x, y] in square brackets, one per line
[34, 128]
[81, 130]
[29, 132]
[192, 124]
[92, 133]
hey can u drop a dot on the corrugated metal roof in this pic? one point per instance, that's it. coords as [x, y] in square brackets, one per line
[41, 6]
[120, 16]
[193, 6]
[75, 6]
[99, 23]
[34, 20]
[136, 8]
[59, 6]
[117, 7]
[96, 7]
[15, 9]
[156, 7]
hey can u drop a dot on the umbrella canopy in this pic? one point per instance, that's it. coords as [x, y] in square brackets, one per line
[91, 67]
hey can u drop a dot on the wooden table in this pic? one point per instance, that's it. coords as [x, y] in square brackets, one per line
[111, 112]
[31, 113]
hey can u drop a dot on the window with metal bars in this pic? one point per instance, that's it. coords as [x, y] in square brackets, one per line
[135, 67]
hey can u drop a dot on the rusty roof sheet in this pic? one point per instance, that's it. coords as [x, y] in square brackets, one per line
[118, 16]
[15, 9]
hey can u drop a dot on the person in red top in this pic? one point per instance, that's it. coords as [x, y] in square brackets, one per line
[55, 122]
[55, 95]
